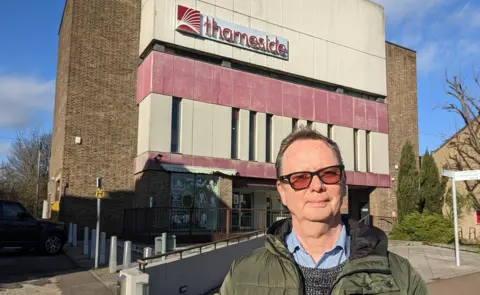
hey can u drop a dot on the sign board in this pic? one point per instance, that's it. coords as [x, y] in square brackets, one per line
[462, 175]
[99, 193]
[194, 22]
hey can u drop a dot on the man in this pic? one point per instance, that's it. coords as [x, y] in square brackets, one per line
[314, 252]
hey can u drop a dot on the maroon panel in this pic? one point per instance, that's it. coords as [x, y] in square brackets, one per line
[162, 73]
[241, 167]
[350, 177]
[274, 96]
[256, 169]
[204, 85]
[291, 93]
[321, 106]
[241, 90]
[372, 179]
[147, 76]
[334, 108]
[307, 103]
[382, 118]
[184, 77]
[359, 120]
[258, 93]
[347, 110]
[270, 171]
[203, 161]
[140, 94]
[360, 178]
[384, 180]
[371, 115]
[223, 86]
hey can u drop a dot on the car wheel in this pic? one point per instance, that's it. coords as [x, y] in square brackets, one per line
[52, 244]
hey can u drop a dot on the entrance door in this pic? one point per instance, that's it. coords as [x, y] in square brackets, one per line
[242, 215]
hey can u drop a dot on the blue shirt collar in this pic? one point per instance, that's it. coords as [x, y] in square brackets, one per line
[342, 243]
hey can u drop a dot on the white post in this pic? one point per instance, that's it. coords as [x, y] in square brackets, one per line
[103, 241]
[127, 249]
[45, 210]
[97, 246]
[164, 245]
[455, 221]
[70, 232]
[112, 261]
[74, 235]
[147, 252]
[85, 240]
[92, 246]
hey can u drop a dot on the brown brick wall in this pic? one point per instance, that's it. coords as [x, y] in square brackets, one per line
[63, 62]
[154, 184]
[100, 47]
[226, 193]
[402, 119]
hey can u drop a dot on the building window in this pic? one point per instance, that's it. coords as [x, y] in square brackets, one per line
[175, 137]
[268, 139]
[368, 151]
[234, 139]
[330, 131]
[252, 136]
[355, 149]
[478, 216]
[309, 124]
[294, 123]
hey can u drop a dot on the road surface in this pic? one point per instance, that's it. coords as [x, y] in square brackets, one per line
[460, 285]
[29, 273]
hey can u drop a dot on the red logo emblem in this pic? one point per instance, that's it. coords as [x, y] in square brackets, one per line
[188, 20]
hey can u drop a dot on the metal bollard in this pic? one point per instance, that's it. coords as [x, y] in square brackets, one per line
[70, 232]
[103, 240]
[112, 261]
[74, 235]
[164, 245]
[93, 244]
[148, 252]
[127, 252]
[85, 240]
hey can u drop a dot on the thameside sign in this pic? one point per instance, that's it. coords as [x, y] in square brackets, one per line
[192, 21]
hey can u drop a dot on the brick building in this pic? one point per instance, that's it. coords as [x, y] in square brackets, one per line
[181, 103]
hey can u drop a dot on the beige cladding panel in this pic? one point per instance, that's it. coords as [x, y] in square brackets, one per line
[261, 135]
[343, 136]
[202, 129]
[155, 119]
[379, 153]
[222, 116]
[340, 42]
[281, 127]
[243, 134]
[186, 126]
[321, 127]
[361, 151]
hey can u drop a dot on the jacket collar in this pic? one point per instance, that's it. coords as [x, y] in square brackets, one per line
[365, 240]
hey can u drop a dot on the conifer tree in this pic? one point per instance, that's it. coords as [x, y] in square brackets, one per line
[432, 189]
[408, 183]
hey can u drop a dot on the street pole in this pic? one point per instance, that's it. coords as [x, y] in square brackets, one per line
[455, 221]
[97, 245]
[39, 156]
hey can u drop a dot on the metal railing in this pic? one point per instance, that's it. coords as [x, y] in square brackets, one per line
[142, 263]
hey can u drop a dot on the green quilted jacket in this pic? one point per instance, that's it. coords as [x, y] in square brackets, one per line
[370, 269]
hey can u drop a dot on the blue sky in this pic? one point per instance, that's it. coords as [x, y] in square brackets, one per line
[445, 34]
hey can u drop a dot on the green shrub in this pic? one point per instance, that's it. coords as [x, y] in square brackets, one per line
[425, 227]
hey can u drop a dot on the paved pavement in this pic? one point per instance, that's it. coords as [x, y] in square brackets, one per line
[460, 285]
[28, 273]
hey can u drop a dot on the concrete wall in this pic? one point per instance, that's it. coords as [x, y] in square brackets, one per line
[167, 278]
[340, 42]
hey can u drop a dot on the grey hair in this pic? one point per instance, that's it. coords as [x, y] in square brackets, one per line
[305, 132]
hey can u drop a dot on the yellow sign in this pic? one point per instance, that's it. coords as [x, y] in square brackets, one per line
[55, 206]
[99, 194]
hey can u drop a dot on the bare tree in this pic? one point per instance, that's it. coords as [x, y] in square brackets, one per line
[18, 173]
[466, 142]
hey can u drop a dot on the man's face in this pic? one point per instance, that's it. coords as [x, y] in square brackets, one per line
[319, 201]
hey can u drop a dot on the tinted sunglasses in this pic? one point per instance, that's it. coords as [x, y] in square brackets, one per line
[303, 179]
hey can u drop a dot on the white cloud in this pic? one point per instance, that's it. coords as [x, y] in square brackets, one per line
[466, 17]
[399, 10]
[22, 97]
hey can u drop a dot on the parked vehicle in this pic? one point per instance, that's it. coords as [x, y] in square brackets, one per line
[19, 228]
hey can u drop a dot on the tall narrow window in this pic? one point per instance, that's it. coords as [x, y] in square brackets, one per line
[252, 136]
[234, 139]
[330, 131]
[268, 139]
[175, 137]
[355, 149]
[294, 123]
[309, 124]
[368, 151]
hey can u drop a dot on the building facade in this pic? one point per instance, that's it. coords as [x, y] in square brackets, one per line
[185, 103]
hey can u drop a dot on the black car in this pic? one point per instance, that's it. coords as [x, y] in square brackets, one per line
[18, 228]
